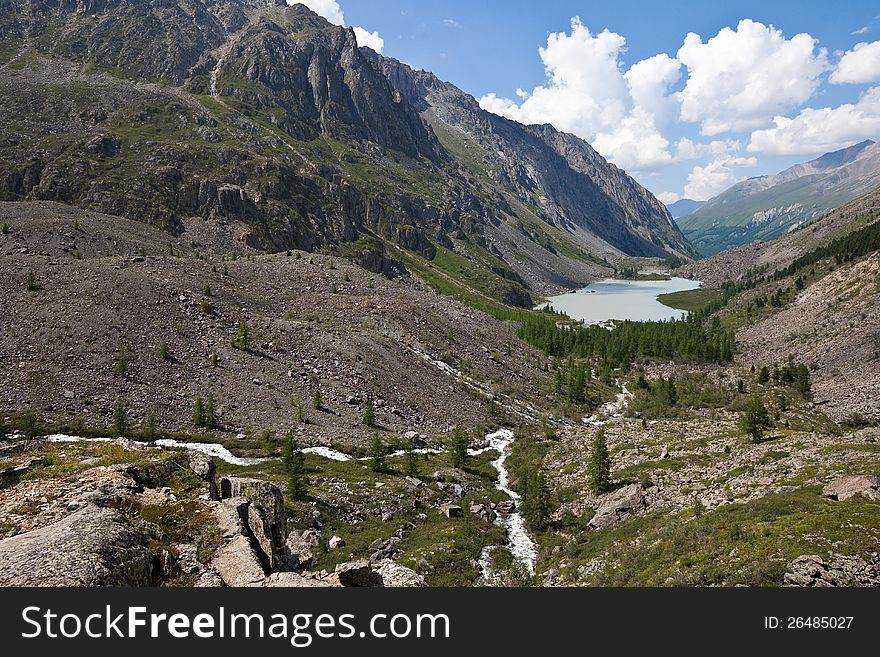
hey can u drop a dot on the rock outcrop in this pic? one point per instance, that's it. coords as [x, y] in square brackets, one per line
[93, 547]
[260, 505]
[844, 488]
[617, 506]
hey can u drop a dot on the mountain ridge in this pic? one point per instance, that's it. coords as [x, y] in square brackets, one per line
[765, 207]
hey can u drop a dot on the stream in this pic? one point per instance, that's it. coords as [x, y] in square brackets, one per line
[519, 541]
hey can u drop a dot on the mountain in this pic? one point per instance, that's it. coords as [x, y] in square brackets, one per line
[683, 207]
[274, 127]
[768, 206]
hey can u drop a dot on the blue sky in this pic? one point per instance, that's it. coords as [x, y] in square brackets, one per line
[758, 86]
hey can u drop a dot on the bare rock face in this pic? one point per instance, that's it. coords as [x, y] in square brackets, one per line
[265, 521]
[617, 506]
[844, 488]
[92, 547]
[238, 565]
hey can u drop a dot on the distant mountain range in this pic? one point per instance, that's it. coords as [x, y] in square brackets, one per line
[683, 207]
[769, 206]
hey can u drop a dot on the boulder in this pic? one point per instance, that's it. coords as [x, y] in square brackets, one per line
[353, 573]
[203, 467]
[232, 516]
[237, 564]
[617, 506]
[336, 542]
[268, 551]
[394, 575]
[865, 486]
[92, 547]
[293, 580]
[451, 510]
[298, 554]
[506, 506]
[265, 514]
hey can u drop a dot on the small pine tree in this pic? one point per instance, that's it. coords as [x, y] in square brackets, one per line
[459, 444]
[121, 361]
[300, 415]
[31, 282]
[199, 412]
[369, 418]
[120, 420]
[536, 501]
[377, 454]
[600, 464]
[206, 291]
[411, 463]
[755, 420]
[764, 376]
[30, 425]
[164, 353]
[244, 335]
[317, 401]
[214, 359]
[294, 467]
[210, 413]
[740, 386]
[3, 428]
[150, 433]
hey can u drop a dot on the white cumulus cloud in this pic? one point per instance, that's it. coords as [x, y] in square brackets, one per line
[668, 198]
[369, 39]
[710, 180]
[331, 10]
[741, 78]
[588, 94]
[859, 65]
[820, 130]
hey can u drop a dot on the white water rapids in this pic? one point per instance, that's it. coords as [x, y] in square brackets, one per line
[519, 541]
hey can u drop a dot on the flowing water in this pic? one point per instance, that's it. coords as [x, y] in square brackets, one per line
[617, 299]
[519, 541]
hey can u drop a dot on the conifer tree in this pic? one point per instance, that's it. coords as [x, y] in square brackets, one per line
[244, 335]
[377, 454]
[459, 444]
[120, 420]
[600, 464]
[199, 412]
[149, 433]
[210, 413]
[369, 418]
[294, 467]
[411, 463]
[755, 420]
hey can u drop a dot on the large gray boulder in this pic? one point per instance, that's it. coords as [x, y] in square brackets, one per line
[394, 575]
[865, 486]
[353, 573]
[265, 518]
[617, 506]
[238, 565]
[93, 547]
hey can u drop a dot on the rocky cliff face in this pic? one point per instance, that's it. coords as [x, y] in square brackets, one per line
[273, 124]
[575, 186]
